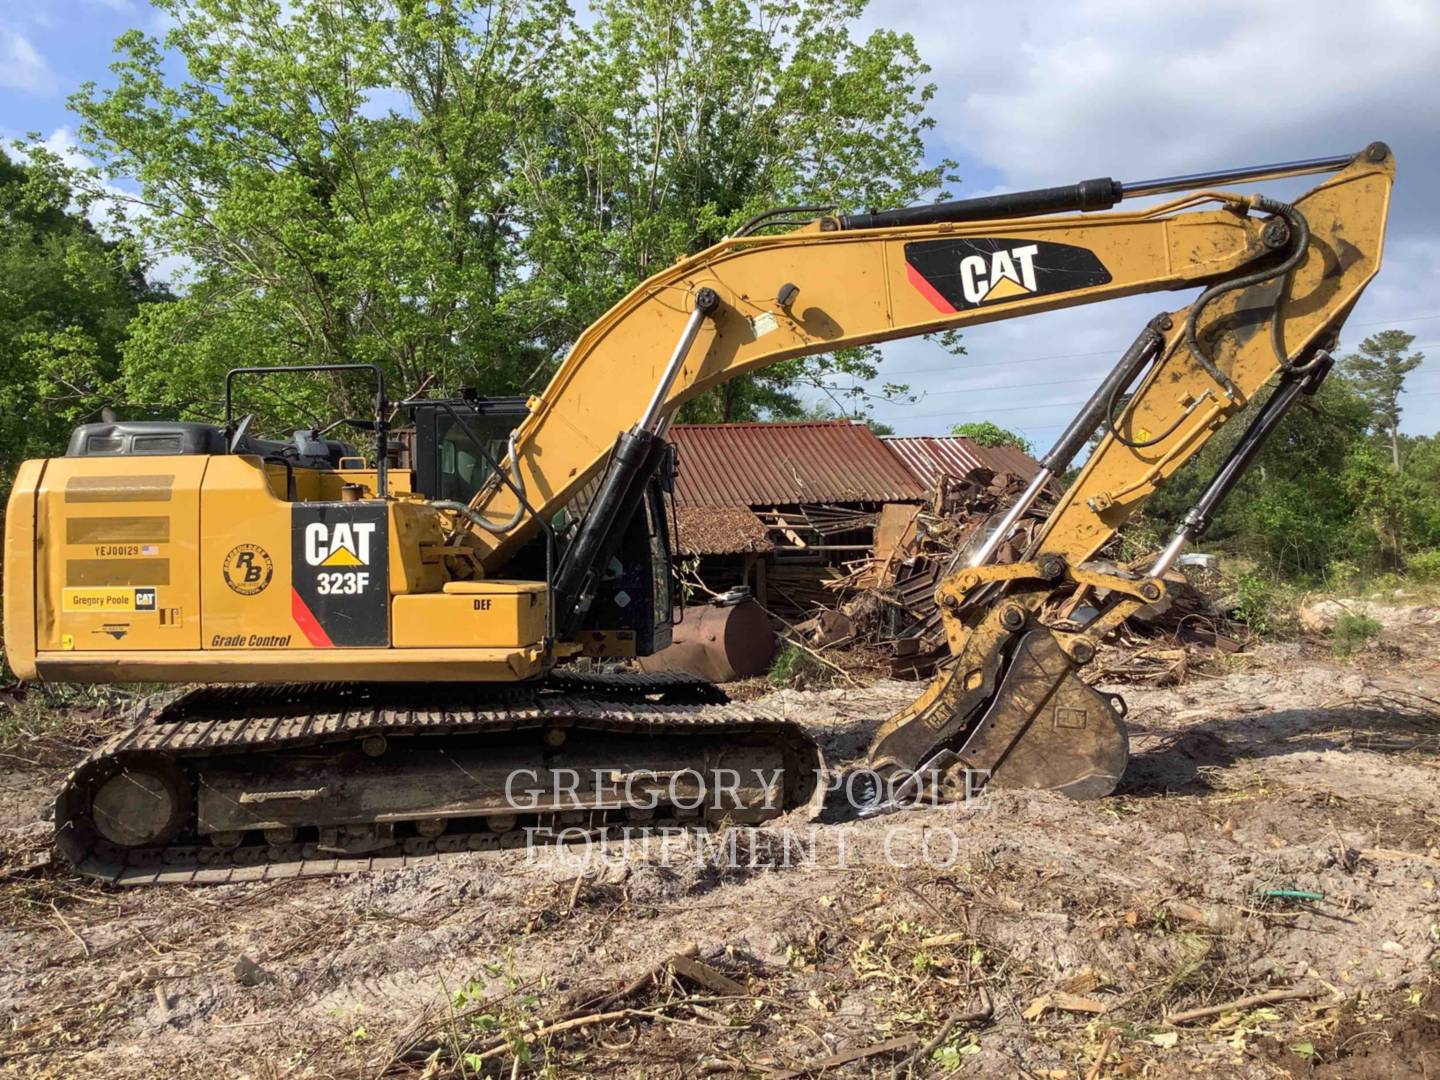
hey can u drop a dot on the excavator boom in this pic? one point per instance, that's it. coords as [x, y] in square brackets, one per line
[828, 286]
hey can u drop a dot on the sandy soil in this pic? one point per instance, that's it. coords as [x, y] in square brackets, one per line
[1289, 772]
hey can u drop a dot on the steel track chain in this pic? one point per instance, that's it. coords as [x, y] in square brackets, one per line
[228, 721]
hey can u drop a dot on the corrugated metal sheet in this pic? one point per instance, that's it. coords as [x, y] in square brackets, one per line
[831, 461]
[928, 457]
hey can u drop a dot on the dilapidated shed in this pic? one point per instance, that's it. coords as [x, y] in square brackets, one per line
[772, 505]
[931, 457]
[784, 507]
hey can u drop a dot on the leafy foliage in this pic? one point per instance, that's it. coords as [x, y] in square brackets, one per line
[453, 190]
[336, 176]
[1264, 604]
[1352, 632]
[794, 667]
[988, 434]
[1323, 500]
[66, 298]
[1290, 511]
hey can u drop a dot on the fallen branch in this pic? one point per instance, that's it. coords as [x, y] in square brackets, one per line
[575, 892]
[1270, 998]
[530, 1037]
[705, 975]
[1059, 999]
[845, 1057]
[1110, 1035]
[689, 950]
[979, 1016]
[594, 1011]
[70, 930]
[1396, 855]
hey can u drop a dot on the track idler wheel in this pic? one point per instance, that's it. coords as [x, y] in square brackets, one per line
[141, 801]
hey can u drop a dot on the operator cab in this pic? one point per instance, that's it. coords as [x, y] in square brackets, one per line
[447, 461]
[454, 448]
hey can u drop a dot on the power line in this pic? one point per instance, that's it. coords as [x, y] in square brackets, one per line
[1005, 363]
[1392, 322]
[1114, 350]
[1022, 386]
[990, 412]
[1055, 405]
[923, 394]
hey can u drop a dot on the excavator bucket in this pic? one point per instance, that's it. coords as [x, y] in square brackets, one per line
[1029, 724]
[1047, 729]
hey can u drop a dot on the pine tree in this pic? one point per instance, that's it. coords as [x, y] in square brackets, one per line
[1379, 371]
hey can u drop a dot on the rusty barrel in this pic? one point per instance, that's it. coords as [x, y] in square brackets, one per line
[718, 643]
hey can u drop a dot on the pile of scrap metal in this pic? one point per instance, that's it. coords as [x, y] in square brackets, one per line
[889, 599]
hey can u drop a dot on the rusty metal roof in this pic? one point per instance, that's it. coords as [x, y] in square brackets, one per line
[826, 461]
[927, 457]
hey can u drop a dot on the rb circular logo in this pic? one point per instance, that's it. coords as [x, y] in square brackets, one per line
[248, 569]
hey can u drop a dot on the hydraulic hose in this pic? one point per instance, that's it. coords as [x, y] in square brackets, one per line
[1298, 235]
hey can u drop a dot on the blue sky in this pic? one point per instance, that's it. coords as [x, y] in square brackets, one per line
[1033, 94]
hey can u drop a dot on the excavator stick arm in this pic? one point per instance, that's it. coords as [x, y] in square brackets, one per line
[1010, 704]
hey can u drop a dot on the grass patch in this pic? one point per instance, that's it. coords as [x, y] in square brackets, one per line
[1352, 632]
[796, 669]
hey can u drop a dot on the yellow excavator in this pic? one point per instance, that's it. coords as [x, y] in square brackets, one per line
[382, 643]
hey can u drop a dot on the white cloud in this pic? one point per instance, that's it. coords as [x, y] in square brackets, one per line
[1054, 93]
[61, 142]
[21, 65]
[1123, 87]
[174, 270]
[123, 6]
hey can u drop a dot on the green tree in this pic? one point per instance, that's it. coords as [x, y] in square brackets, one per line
[676, 123]
[66, 296]
[1382, 497]
[454, 188]
[990, 434]
[338, 176]
[1379, 371]
[1292, 511]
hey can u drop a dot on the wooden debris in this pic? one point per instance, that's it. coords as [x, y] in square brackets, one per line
[827, 628]
[1111, 1034]
[1270, 998]
[1084, 981]
[697, 971]
[890, 597]
[1216, 918]
[845, 1057]
[1060, 1000]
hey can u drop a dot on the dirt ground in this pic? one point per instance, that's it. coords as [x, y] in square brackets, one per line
[1023, 935]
